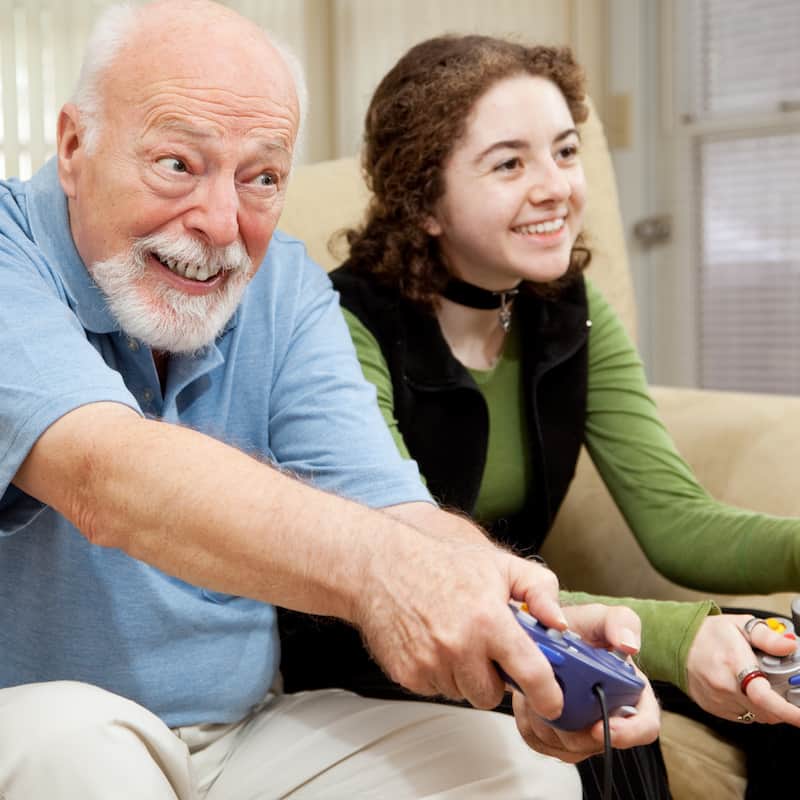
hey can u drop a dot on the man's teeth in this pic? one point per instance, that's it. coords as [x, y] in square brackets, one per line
[191, 271]
[551, 226]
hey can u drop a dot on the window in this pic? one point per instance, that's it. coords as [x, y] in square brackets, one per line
[741, 112]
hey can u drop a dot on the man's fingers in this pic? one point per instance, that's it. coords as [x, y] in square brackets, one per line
[537, 587]
[527, 666]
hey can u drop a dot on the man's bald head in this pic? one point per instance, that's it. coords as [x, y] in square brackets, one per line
[146, 33]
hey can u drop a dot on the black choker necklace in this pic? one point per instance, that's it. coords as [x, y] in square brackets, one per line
[467, 294]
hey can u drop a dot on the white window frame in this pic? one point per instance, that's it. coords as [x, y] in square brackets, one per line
[676, 346]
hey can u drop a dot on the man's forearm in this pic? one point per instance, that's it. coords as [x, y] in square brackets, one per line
[434, 521]
[207, 513]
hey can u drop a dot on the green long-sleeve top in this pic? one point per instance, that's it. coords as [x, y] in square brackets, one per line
[686, 534]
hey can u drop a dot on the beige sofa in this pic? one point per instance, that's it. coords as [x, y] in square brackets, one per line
[744, 448]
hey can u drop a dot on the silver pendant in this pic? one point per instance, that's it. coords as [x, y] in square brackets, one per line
[504, 313]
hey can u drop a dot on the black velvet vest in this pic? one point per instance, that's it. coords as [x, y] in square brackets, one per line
[444, 421]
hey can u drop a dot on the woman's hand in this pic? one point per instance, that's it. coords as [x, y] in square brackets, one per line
[601, 626]
[720, 653]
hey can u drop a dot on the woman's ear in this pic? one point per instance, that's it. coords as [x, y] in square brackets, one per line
[431, 226]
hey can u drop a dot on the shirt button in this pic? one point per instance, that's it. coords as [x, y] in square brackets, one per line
[133, 345]
[147, 395]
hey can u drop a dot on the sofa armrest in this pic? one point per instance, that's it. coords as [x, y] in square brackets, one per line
[744, 448]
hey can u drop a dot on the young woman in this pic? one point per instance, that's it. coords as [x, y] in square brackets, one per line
[495, 360]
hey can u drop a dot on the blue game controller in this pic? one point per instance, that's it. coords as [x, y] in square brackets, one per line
[578, 668]
[783, 673]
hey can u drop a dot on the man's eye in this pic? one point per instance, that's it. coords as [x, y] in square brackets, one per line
[173, 164]
[265, 179]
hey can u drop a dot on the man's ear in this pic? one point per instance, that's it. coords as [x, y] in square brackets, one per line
[69, 148]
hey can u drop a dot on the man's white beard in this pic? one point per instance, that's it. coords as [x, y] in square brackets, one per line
[161, 316]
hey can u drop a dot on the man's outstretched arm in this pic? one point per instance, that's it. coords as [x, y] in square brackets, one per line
[432, 608]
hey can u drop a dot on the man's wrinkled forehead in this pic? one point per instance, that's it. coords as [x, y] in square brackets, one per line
[170, 51]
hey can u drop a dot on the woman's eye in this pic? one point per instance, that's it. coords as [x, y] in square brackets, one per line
[567, 152]
[508, 165]
[173, 164]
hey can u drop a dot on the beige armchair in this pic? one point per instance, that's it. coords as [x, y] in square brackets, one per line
[744, 448]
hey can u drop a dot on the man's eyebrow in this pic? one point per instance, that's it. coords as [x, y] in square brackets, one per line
[198, 132]
[521, 144]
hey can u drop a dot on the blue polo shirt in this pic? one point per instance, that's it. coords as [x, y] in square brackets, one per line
[281, 382]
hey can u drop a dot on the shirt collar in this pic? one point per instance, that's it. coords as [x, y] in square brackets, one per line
[49, 220]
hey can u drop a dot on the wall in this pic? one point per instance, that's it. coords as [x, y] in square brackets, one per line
[345, 45]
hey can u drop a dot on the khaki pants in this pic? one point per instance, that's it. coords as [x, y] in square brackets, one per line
[65, 741]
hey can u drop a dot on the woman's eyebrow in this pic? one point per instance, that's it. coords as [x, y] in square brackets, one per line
[565, 134]
[521, 144]
[505, 144]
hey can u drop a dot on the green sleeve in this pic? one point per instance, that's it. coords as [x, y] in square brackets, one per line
[376, 371]
[668, 630]
[687, 535]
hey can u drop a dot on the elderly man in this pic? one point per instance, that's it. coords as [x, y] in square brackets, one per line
[186, 441]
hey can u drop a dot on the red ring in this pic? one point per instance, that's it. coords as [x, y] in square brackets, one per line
[756, 673]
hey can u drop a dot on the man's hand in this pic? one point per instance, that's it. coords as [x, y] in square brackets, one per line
[601, 626]
[437, 620]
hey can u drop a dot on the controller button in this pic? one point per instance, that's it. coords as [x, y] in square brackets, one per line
[789, 636]
[793, 696]
[776, 624]
[770, 661]
[794, 680]
[554, 634]
[572, 635]
[553, 656]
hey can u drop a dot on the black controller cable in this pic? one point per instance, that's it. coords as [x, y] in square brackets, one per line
[608, 753]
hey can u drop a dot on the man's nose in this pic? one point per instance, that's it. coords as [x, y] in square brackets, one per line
[215, 213]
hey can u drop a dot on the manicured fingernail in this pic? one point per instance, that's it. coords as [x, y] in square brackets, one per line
[629, 639]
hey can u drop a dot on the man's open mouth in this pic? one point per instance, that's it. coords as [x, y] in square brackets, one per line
[192, 271]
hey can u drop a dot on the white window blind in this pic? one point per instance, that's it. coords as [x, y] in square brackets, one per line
[742, 105]
[38, 62]
[41, 48]
[751, 263]
[746, 55]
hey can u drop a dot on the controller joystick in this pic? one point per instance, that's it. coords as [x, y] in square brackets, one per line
[578, 668]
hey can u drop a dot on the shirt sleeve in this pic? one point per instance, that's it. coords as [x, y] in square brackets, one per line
[325, 424]
[686, 534]
[668, 631]
[48, 368]
[376, 371]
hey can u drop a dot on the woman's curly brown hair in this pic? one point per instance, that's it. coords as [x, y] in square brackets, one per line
[417, 115]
